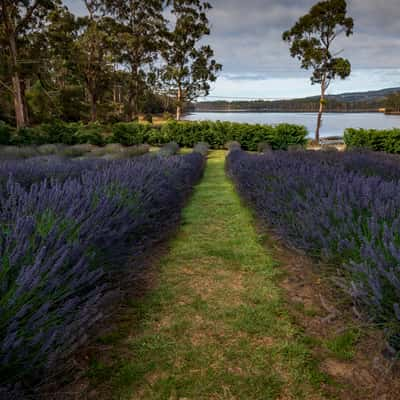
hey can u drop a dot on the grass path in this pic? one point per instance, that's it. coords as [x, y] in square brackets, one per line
[216, 326]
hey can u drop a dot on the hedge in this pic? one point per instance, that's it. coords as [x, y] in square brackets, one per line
[5, 133]
[129, 134]
[185, 134]
[372, 139]
[55, 132]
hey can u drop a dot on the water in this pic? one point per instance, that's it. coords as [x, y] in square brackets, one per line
[333, 124]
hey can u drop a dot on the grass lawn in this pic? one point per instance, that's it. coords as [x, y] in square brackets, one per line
[216, 325]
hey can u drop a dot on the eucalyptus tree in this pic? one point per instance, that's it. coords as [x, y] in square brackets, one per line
[18, 19]
[141, 26]
[189, 66]
[93, 52]
[311, 40]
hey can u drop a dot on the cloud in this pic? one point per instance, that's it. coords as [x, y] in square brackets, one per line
[247, 35]
[247, 39]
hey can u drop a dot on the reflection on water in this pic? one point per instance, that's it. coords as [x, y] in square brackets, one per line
[334, 124]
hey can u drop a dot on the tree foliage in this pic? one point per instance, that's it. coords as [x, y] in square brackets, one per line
[21, 21]
[140, 31]
[311, 41]
[189, 67]
[106, 65]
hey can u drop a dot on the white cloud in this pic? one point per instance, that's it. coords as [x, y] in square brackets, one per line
[246, 36]
[256, 87]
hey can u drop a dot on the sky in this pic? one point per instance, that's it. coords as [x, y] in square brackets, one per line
[246, 37]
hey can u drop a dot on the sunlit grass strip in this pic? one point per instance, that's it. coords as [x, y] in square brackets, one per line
[216, 326]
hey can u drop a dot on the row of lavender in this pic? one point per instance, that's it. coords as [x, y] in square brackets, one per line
[67, 230]
[342, 207]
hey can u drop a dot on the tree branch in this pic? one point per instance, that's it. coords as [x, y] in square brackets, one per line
[338, 52]
[28, 16]
[7, 87]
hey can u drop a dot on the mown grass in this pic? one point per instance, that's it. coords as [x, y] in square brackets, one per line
[216, 326]
[343, 346]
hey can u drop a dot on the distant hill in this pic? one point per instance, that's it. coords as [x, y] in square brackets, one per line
[370, 101]
[372, 95]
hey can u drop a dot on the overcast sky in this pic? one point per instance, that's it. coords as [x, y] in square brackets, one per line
[246, 37]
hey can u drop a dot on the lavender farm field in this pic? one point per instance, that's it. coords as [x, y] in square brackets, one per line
[341, 207]
[66, 231]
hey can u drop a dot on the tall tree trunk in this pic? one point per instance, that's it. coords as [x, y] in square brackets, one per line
[114, 93]
[132, 112]
[133, 99]
[93, 106]
[179, 104]
[25, 85]
[321, 110]
[18, 101]
[20, 115]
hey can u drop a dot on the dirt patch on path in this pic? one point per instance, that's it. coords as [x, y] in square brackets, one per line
[325, 313]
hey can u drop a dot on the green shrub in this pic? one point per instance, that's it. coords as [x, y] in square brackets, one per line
[61, 132]
[29, 136]
[6, 132]
[284, 135]
[187, 134]
[49, 133]
[130, 133]
[372, 139]
[90, 134]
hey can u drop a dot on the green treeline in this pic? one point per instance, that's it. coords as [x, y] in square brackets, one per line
[296, 105]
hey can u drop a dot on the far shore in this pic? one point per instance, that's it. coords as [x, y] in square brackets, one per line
[288, 111]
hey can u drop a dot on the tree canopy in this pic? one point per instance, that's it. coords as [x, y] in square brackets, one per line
[111, 64]
[311, 41]
[189, 67]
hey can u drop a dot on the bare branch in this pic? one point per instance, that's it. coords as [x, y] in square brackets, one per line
[7, 87]
[338, 52]
[28, 16]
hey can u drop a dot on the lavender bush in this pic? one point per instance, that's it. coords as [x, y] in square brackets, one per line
[63, 243]
[339, 207]
[367, 163]
[27, 172]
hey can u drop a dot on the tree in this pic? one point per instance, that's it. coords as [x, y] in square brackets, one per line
[18, 18]
[94, 49]
[189, 69]
[392, 102]
[311, 40]
[141, 27]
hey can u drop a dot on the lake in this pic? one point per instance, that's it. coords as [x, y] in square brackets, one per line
[333, 124]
